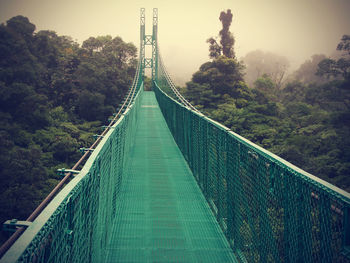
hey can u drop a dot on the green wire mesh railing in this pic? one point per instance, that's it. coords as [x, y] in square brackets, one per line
[164, 80]
[76, 224]
[269, 210]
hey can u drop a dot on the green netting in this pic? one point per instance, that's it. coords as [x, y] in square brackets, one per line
[164, 80]
[270, 210]
[162, 215]
[76, 225]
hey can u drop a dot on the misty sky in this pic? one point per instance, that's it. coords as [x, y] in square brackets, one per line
[294, 28]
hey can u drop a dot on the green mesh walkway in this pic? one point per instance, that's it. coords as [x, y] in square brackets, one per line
[162, 215]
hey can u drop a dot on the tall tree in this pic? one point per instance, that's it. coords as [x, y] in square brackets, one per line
[227, 40]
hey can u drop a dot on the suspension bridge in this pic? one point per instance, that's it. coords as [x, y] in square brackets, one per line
[164, 183]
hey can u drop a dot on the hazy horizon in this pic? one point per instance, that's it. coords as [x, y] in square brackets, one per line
[296, 29]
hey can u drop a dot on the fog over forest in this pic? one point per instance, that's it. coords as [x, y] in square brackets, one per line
[276, 72]
[295, 29]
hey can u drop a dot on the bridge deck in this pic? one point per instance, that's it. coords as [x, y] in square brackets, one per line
[162, 215]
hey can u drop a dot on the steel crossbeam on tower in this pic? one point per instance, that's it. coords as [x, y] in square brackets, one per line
[148, 40]
[148, 63]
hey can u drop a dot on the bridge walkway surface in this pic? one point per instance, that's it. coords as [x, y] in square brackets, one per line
[162, 216]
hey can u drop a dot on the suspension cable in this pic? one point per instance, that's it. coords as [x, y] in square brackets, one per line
[177, 93]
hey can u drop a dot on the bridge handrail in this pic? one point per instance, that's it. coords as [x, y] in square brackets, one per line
[345, 196]
[240, 179]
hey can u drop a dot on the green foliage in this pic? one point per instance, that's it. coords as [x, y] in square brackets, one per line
[308, 124]
[223, 75]
[341, 67]
[202, 96]
[214, 48]
[21, 25]
[53, 96]
[267, 86]
[344, 44]
[331, 67]
[90, 105]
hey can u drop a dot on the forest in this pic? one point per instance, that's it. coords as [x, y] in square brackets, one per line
[303, 117]
[56, 94]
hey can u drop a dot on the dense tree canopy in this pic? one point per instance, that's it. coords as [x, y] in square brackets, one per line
[306, 120]
[341, 67]
[54, 96]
